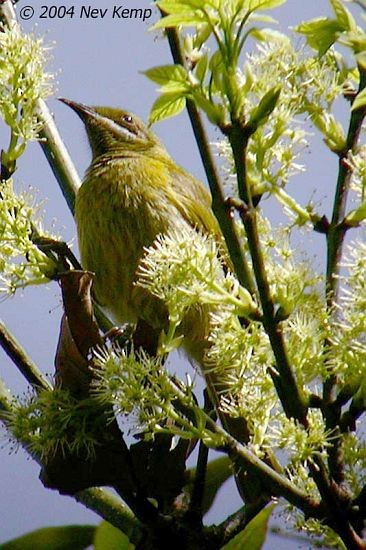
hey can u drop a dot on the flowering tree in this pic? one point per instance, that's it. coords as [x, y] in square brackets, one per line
[286, 345]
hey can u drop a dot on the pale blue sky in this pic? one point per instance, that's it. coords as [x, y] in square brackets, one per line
[98, 61]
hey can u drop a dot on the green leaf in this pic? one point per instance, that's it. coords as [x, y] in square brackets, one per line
[360, 101]
[172, 78]
[69, 537]
[180, 13]
[254, 534]
[252, 5]
[344, 17]
[321, 33]
[356, 41]
[356, 216]
[260, 114]
[218, 471]
[201, 68]
[216, 60]
[263, 18]
[361, 61]
[216, 66]
[215, 112]
[333, 131]
[303, 215]
[167, 105]
[266, 35]
[184, 19]
[202, 35]
[169, 6]
[166, 73]
[108, 537]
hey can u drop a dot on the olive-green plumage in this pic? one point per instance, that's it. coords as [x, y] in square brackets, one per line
[132, 192]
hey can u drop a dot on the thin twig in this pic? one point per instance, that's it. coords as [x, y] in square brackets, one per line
[58, 156]
[294, 406]
[329, 509]
[278, 484]
[336, 230]
[335, 241]
[195, 505]
[349, 418]
[219, 207]
[233, 524]
[284, 378]
[20, 358]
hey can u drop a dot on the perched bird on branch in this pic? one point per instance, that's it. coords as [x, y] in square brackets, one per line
[132, 192]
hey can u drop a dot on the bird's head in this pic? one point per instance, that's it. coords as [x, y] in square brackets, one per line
[112, 130]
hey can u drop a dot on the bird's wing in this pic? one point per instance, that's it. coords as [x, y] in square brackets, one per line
[193, 201]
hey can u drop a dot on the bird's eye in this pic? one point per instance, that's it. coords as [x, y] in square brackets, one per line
[127, 118]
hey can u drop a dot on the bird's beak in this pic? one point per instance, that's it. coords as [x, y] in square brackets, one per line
[82, 110]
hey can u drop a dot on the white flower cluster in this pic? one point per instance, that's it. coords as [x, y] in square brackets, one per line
[23, 81]
[21, 261]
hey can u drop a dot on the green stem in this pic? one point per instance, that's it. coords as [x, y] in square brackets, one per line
[219, 207]
[20, 358]
[101, 501]
[335, 242]
[328, 510]
[195, 511]
[58, 156]
[286, 385]
[112, 509]
[336, 230]
[13, 141]
[239, 40]
[283, 376]
[195, 506]
[277, 483]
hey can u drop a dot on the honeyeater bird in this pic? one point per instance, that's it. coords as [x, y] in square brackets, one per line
[132, 192]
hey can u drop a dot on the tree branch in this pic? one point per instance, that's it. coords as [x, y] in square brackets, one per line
[278, 484]
[20, 358]
[112, 509]
[195, 511]
[330, 509]
[333, 498]
[285, 382]
[335, 240]
[58, 156]
[234, 524]
[101, 501]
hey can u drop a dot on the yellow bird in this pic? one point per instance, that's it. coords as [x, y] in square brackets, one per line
[132, 192]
